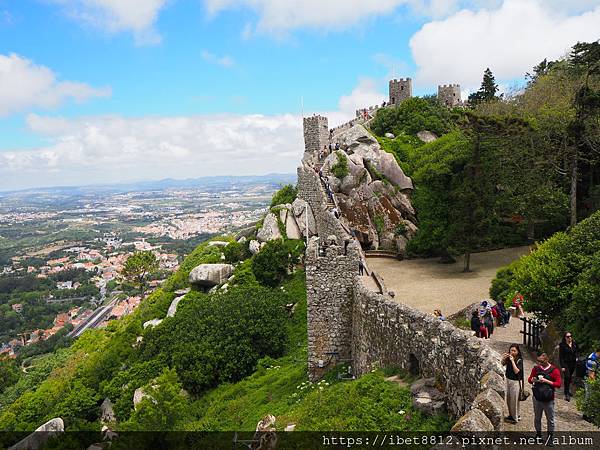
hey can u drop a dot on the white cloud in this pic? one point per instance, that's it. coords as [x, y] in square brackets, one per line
[280, 16]
[224, 61]
[116, 149]
[362, 96]
[510, 40]
[24, 85]
[114, 16]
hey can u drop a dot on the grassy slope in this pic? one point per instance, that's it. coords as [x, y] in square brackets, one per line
[278, 387]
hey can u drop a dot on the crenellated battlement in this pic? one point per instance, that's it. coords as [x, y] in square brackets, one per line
[400, 90]
[316, 135]
[449, 95]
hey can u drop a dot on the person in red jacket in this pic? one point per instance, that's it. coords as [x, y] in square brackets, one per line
[545, 378]
[517, 302]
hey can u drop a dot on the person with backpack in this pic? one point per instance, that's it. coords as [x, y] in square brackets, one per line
[592, 367]
[567, 357]
[488, 322]
[478, 327]
[513, 360]
[504, 315]
[545, 378]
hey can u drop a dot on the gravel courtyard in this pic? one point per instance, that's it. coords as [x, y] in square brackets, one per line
[425, 284]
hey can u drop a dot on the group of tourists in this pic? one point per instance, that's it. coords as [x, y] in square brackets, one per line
[545, 378]
[328, 150]
[483, 319]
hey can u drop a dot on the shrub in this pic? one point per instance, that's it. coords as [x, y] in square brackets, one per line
[560, 280]
[379, 224]
[590, 406]
[220, 337]
[340, 168]
[243, 275]
[271, 264]
[400, 229]
[500, 290]
[411, 116]
[287, 194]
[9, 373]
[235, 252]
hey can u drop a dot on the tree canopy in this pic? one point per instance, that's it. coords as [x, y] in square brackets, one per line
[137, 268]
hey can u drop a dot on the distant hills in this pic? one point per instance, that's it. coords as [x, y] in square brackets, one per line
[209, 183]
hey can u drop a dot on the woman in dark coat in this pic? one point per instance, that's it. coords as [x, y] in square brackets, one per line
[567, 356]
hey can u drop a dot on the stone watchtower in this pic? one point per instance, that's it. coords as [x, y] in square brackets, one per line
[316, 136]
[449, 95]
[400, 90]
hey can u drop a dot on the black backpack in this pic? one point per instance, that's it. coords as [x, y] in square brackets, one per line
[543, 392]
[580, 368]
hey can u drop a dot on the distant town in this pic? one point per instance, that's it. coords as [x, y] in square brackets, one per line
[62, 252]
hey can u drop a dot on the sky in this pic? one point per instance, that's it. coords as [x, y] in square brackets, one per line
[107, 91]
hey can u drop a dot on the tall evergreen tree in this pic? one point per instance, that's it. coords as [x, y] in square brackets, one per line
[584, 129]
[487, 91]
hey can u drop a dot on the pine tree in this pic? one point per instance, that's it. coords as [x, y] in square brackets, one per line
[487, 91]
[488, 87]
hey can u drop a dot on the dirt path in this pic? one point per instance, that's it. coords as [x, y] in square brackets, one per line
[425, 284]
[567, 417]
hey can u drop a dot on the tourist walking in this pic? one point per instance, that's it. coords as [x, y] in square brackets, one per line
[513, 360]
[488, 322]
[503, 314]
[545, 378]
[567, 357]
[361, 267]
[477, 326]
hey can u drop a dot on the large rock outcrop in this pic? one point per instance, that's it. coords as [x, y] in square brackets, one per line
[289, 221]
[40, 436]
[427, 398]
[173, 306]
[269, 230]
[207, 276]
[374, 197]
[473, 421]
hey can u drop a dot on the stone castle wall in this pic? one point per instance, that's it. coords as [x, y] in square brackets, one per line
[386, 333]
[316, 134]
[331, 278]
[400, 90]
[348, 322]
[449, 95]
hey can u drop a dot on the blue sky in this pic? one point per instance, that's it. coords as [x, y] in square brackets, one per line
[122, 90]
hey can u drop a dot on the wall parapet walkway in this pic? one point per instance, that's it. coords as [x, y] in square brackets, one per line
[348, 322]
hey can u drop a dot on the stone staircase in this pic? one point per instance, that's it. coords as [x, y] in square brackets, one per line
[381, 254]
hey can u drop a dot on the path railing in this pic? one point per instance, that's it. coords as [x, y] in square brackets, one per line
[532, 329]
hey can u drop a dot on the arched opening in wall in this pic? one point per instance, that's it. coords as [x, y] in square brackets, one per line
[413, 365]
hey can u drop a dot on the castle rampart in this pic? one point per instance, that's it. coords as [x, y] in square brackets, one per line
[349, 322]
[386, 333]
[449, 95]
[400, 90]
[316, 134]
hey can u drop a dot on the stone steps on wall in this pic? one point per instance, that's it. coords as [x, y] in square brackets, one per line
[381, 254]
